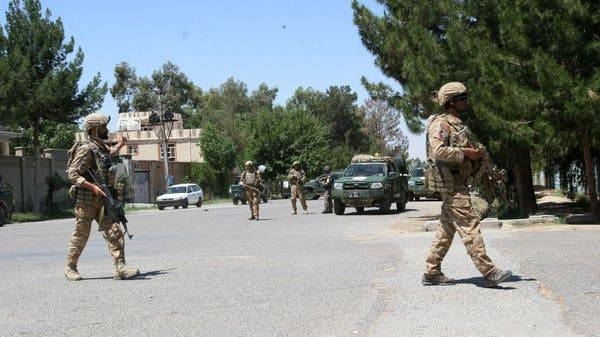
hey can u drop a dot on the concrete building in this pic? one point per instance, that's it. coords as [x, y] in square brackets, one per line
[5, 137]
[144, 140]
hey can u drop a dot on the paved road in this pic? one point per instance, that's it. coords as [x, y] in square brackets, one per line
[211, 272]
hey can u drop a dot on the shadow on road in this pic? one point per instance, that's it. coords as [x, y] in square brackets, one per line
[480, 282]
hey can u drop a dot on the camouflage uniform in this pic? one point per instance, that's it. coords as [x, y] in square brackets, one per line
[450, 169]
[252, 181]
[93, 155]
[327, 181]
[297, 178]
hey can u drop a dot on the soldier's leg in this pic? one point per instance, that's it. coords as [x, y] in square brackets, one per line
[441, 243]
[302, 199]
[115, 240]
[84, 214]
[249, 196]
[255, 204]
[326, 202]
[467, 225]
[293, 195]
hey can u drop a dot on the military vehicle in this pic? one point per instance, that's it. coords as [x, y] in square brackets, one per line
[371, 181]
[237, 193]
[7, 205]
[416, 186]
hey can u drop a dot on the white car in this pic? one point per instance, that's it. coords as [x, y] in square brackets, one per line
[180, 195]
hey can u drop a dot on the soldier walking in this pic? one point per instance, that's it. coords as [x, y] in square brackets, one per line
[252, 181]
[327, 184]
[297, 178]
[93, 156]
[450, 166]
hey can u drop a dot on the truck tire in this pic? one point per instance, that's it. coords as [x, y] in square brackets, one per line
[338, 207]
[360, 210]
[309, 194]
[235, 201]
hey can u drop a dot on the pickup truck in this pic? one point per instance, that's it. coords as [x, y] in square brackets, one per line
[371, 181]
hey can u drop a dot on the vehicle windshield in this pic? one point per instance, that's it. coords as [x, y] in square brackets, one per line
[418, 172]
[175, 189]
[357, 170]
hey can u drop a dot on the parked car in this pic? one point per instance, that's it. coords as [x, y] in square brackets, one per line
[416, 186]
[313, 189]
[180, 195]
[371, 181]
[7, 205]
[237, 193]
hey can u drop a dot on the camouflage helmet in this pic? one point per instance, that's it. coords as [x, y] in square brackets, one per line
[249, 163]
[296, 162]
[450, 90]
[327, 168]
[95, 120]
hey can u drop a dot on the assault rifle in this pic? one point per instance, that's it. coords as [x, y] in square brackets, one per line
[112, 204]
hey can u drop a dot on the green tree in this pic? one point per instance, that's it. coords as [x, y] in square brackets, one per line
[220, 154]
[39, 77]
[279, 137]
[382, 123]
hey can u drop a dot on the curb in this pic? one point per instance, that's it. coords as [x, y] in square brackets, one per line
[494, 223]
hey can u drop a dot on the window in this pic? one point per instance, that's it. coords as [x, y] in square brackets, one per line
[170, 152]
[132, 150]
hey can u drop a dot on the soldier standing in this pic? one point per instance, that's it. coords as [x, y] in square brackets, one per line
[327, 184]
[251, 181]
[297, 178]
[95, 156]
[451, 165]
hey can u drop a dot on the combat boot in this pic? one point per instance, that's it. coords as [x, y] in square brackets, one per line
[436, 279]
[122, 272]
[71, 273]
[496, 277]
[251, 217]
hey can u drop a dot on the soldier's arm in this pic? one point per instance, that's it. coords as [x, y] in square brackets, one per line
[438, 134]
[82, 162]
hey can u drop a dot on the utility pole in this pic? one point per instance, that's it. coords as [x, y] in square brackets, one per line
[163, 124]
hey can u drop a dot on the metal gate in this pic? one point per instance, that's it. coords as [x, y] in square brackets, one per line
[141, 188]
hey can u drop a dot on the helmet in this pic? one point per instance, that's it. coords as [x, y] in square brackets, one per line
[95, 120]
[296, 163]
[450, 90]
[249, 163]
[326, 168]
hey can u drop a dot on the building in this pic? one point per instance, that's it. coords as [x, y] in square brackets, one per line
[144, 140]
[5, 137]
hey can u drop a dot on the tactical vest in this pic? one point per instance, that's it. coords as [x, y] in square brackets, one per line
[250, 179]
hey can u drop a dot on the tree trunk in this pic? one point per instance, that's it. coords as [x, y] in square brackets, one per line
[36, 166]
[524, 181]
[589, 176]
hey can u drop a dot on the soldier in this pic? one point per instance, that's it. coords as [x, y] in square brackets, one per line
[251, 181]
[450, 166]
[94, 155]
[297, 178]
[327, 181]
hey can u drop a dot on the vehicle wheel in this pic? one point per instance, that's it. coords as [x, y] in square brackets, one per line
[385, 204]
[176, 207]
[309, 195]
[360, 209]
[235, 201]
[401, 206]
[2, 216]
[316, 197]
[265, 199]
[199, 203]
[438, 196]
[338, 207]
[410, 196]
[185, 204]
[243, 201]
[160, 208]
[417, 198]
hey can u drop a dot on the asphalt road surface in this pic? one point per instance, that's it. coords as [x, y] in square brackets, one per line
[211, 272]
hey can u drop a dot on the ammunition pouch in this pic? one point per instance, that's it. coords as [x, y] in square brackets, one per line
[439, 177]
